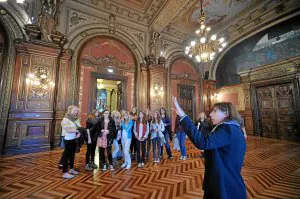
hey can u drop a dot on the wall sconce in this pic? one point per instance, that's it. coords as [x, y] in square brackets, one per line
[157, 90]
[40, 82]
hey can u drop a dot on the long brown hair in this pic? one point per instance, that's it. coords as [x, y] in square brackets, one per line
[92, 115]
[230, 109]
[145, 120]
[199, 116]
[166, 114]
[158, 118]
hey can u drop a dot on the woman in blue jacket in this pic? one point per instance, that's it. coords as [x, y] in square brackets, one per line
[225, 148]
[126, 126]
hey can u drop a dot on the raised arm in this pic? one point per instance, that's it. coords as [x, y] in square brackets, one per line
[219, 138]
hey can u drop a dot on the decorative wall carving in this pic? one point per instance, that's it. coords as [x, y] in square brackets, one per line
[75, 19]
[109, 23]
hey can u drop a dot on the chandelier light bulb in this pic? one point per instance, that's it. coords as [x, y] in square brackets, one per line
[222, 39]
[224, 44]
[213, 37]
[43, 76]
[161, 88]
[186, 52]
[187, 48]
[190, 55]
[212, 54]
[31, 75]
[220, 49]
[193, 43]
[203, 55]
[203, 40]
[197, 31]
[198, 58]
[208, 29]
[202, 27]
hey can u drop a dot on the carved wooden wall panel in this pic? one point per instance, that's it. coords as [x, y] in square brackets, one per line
[157, 77]
[277, 111]
[31, 112]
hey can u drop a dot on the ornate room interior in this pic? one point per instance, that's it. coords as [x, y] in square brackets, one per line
[119, 54]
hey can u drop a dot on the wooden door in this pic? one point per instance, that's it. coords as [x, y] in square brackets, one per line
[286, 116]
[276, 111]
[187, 99]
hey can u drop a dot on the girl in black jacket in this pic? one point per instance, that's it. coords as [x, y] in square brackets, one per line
[107, 133]
[91, 140]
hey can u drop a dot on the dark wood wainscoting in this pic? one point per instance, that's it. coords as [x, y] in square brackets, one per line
[276, 107]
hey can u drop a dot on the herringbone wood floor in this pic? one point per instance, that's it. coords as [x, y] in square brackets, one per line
[271, 170]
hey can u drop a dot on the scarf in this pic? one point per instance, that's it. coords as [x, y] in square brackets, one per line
[71, 117]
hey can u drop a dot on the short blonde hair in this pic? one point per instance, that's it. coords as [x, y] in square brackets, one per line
[71, 108]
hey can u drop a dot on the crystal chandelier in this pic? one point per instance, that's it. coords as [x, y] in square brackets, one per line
[205, 47]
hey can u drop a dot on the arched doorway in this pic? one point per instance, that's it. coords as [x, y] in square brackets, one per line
[107, 70]
[185, 84]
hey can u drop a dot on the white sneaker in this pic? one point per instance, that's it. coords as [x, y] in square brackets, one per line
[123, 165]
[104, 168]
[72, 171]
[143, 164]
[128, 167]
[183, 157]
[139, 165]
[111, 167]
[68, 176]
[158, 160]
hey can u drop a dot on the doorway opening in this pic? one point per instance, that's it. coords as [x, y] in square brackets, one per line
[109, 95]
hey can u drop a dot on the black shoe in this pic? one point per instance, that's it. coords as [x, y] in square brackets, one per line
[60, 166]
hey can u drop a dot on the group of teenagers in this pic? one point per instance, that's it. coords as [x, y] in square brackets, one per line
[222, 140]
[136, 132]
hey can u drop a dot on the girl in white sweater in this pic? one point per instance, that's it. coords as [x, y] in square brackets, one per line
[157, 137]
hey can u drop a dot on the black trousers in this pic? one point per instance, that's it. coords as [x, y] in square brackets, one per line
[141, 144]
[133, 144]
[68, 155]
[102, 155]
[209, 196]
[90, 152]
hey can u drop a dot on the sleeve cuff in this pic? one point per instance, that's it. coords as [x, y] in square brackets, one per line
[182, 117]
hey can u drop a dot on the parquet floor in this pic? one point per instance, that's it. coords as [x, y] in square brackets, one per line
[271, 170]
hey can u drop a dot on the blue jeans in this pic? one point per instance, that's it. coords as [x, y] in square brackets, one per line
[156, 144]
[167, 145]
[181, 139]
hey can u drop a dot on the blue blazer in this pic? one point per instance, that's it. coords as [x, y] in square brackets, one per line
[225, 149]
[127, 128]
